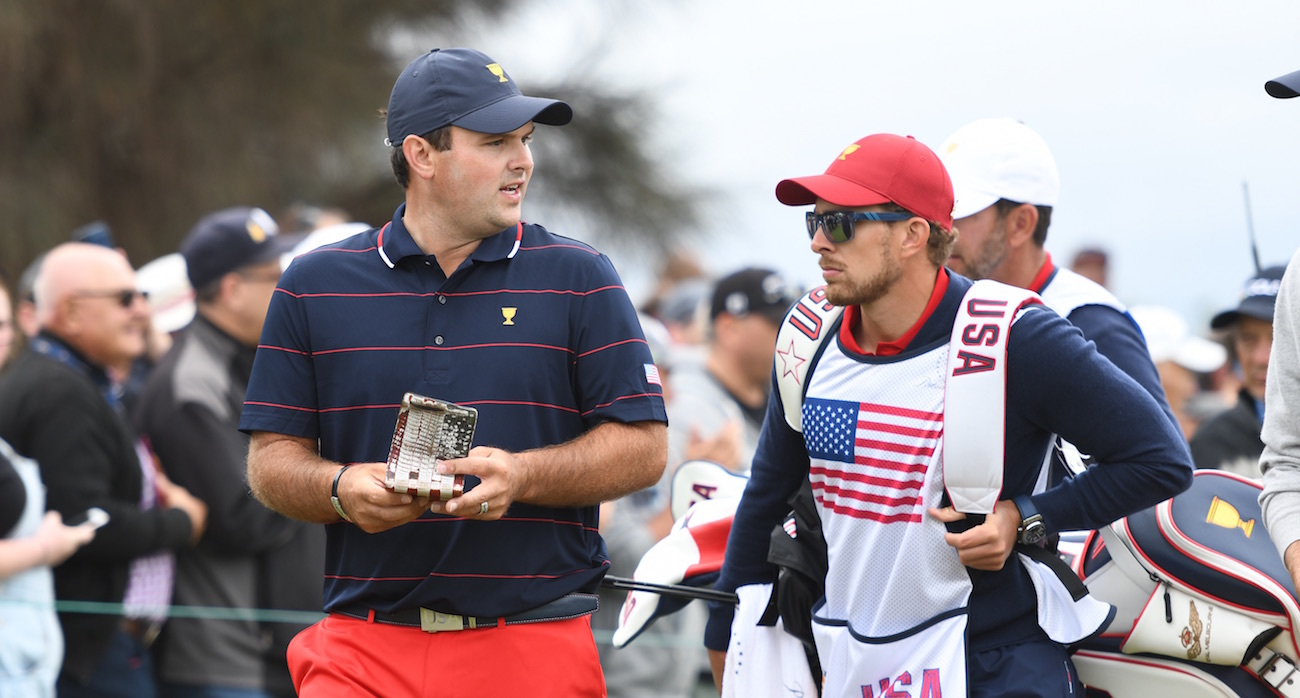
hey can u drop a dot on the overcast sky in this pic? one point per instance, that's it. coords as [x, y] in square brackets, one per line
[1155, 112]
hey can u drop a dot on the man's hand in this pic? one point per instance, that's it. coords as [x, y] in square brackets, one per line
[1292, 561]
[173, 496]
[370, 504]
[501, 479]
[988, 545]
[724, 447]
[57, 541]
[718, 663]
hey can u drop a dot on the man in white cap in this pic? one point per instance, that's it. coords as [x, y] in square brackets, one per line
[1006, 184]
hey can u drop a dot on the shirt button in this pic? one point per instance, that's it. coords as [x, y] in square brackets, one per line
[438, 340]
[442, 300]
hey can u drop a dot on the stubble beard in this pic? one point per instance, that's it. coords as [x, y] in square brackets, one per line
[989, 256]
[846, 293]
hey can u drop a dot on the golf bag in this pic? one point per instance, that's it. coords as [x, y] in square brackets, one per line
[1204, 605]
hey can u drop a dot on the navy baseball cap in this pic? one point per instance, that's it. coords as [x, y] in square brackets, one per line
[465, 88]
[1258, 299]
[1285, 87]
[231, 239]
[754, 291]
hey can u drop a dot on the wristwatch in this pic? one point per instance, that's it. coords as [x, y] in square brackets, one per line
[1032, 530]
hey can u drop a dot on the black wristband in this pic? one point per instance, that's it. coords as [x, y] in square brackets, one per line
[334, 494]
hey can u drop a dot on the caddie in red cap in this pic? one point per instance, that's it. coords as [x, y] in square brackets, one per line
[916, 410]
[490, 592]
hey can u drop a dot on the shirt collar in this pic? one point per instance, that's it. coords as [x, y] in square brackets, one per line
[395, 243]
[852, 317]
[1044, 275]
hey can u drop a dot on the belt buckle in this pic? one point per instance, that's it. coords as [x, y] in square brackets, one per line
[151, 630]
[432, 621]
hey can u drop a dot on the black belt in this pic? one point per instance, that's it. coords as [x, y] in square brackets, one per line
[564, 608]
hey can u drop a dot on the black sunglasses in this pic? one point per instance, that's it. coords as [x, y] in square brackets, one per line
[124, 297]
[839, 224]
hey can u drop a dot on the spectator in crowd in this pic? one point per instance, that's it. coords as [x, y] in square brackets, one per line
[683, 309]
[25, 300]
[455, 299]
[668, 664]
[250, 556]
[8, 328]
[1230, 441]
[1092, 263]
[59, 408]
[728, 391]
[1181, 358]
[32, 541]
[171, 300]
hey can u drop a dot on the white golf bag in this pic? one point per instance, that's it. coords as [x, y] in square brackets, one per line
[1204, 605]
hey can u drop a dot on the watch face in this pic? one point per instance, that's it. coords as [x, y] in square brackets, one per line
[1033, 532]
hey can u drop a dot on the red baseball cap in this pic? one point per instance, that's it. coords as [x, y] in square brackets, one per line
[879, 169]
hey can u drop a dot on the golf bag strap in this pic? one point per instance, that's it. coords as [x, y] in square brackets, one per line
[803, 333]
[975, 395]
[1276, 670]
[1058, 567]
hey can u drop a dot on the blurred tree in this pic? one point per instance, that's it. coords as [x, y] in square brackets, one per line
[149, 113]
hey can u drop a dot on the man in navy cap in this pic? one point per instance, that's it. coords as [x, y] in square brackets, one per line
[489, 592]
[250, 556]
[1230, 440]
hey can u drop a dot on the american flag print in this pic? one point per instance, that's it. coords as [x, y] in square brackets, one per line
[652, 375]
[869, 461]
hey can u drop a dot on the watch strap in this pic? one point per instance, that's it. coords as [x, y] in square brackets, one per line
[1026, 506]
[334, 495]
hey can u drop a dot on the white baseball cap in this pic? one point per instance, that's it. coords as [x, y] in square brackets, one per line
[992, 159]
[1169, 339]
[171, 298]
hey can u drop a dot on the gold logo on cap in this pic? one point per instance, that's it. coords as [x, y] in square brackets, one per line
[497, 70]
[509, 315]
[255, 232]
[844, 155]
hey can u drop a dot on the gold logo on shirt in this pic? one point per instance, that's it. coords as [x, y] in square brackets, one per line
[509, 315]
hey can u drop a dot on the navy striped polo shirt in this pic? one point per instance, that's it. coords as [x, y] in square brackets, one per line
[534, 330]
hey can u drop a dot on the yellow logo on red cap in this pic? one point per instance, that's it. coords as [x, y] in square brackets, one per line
[497, 70]
[844, 155]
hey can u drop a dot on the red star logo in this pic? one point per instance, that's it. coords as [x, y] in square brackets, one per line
[790, 362]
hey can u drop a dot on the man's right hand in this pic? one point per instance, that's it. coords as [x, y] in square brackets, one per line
[371, 505]
[1292, 561]
[173, 496]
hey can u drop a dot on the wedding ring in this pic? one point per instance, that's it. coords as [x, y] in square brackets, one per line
[482, 508]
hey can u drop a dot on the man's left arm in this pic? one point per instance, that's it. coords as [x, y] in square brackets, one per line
[1280, 461]
[1118, 339]
[1061, 383]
